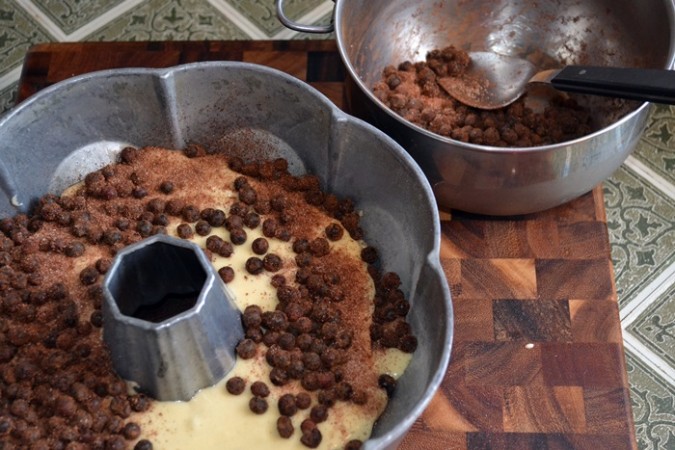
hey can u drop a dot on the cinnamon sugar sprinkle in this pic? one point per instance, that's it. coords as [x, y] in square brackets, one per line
[328, 314]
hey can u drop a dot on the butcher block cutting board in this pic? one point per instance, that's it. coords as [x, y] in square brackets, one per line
[537, 360]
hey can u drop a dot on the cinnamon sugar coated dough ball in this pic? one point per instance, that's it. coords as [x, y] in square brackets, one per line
[322, 323]
[412, 91]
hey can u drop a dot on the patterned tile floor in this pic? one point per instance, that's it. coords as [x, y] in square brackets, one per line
[640, 196]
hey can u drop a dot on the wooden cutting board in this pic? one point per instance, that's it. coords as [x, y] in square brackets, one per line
[537, 360]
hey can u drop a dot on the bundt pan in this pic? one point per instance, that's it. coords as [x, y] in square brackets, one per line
[57, 136]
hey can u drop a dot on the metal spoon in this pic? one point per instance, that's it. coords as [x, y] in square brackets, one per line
[493, 81]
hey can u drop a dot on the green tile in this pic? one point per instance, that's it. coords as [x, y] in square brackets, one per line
[69, 15]
[641, 231]
[263, 13]
[655, 327]
[653, 403]
[8, 98]
[18, 31]
[156, 20]
[657, 147]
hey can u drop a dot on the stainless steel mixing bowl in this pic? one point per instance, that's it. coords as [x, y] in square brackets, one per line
[59, 135]
[372, 34]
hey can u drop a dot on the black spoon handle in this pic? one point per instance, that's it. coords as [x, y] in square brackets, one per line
[650, 85]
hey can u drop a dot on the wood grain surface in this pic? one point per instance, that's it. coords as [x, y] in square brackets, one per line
[537, 360]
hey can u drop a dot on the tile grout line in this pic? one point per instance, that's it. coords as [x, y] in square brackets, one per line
[653, 361]
[238, 19]
[647, 296]
[11, 77]
[42, 19]
[651, 177]
[103, 19]
[83, 31]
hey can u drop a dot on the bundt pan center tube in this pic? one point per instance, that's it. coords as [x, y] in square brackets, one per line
[169, 322]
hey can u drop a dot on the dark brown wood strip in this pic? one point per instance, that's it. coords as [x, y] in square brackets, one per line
[580, 240]
[589, 279]
[292, 63]
[498, 278]
[539, 441]
[606, 411]
[581, 364]
[532, 320]
[556, 411]
[594, 321]
[325, 66]
[331, 89]
[502, 364]
[475, 315]
[441, 439]
[469, 409]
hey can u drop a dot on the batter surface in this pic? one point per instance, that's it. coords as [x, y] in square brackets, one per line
[326, 335]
